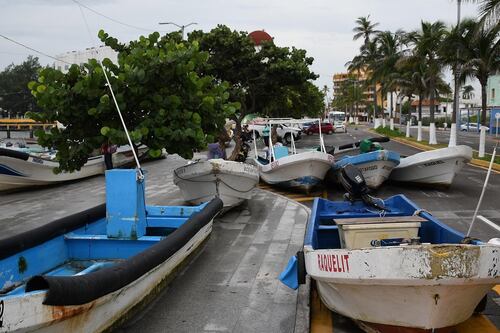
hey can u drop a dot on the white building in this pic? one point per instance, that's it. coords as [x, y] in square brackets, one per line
[82, 57]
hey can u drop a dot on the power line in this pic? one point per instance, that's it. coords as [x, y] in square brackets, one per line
[112, 19]
[32, 49]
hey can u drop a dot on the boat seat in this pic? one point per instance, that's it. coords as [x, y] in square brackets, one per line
[280, 151]
[375, 220]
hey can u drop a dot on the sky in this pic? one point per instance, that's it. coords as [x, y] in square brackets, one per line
[323, 28]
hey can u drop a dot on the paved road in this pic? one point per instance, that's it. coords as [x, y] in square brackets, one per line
[463, 138]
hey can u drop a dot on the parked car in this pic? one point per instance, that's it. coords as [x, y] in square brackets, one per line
[340, 127]
[284, 132]
[326, 128]
[471, 127]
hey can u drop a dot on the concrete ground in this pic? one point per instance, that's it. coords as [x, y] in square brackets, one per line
[231, 286]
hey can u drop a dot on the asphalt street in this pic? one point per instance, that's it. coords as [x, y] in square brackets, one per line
[455, 206]
[463, 138]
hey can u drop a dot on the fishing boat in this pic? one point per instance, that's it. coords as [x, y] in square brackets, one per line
[289, 168]
[376, 166]
[88, 271]
[434, 167]
[20, 169]
[232, 182]
[391, 265]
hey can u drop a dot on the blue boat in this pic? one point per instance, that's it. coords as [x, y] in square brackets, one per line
[388, 263]
[88, 271]
[376, 166]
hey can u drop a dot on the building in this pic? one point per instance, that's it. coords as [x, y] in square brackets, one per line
[82, 57]
[493, 90]
[340, 80]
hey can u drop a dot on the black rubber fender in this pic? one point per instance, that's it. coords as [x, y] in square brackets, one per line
[14, 154]
[301, 267]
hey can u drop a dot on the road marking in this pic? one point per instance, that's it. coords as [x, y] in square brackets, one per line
[305, 199]
[488, 222]
[321, 317]
[477, 323]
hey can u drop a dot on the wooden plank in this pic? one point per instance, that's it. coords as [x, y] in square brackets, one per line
[372, 220]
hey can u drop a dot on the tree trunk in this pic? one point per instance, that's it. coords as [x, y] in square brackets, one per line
[237, 140]
[431, 104]
[483, 103]
[274, 134]
[456, 97]
[375, 100]
[420, 107]
[392, 103]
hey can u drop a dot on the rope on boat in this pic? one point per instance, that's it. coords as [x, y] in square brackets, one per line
[217, 179]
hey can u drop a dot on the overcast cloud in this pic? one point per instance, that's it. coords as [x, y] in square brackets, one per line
[323, 28]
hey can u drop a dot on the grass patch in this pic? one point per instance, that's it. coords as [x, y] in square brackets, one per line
[388, 132]
[487, 157]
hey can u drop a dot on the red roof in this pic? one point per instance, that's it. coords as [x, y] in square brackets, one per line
[259, 35]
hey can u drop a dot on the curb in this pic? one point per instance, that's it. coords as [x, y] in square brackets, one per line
[474, 162]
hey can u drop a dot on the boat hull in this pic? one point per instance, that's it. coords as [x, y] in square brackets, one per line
[17, 173]
[232, 182]
[101, 314]
[301, 171]
[375, 166]
[437, 167]
[424, 287]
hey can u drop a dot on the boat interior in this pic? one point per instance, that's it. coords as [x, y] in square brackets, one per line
[88, 249]
[346, 224]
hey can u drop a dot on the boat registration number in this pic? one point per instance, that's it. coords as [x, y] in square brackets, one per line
[37, 160]
[275, 164]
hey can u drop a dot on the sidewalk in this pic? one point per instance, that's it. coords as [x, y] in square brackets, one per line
[231, 286]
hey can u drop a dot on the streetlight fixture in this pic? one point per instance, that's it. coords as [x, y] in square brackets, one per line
[182, 27]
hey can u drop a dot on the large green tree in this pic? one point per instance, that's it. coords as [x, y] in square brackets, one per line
[15, 97]
[164, 99]
[269, 80]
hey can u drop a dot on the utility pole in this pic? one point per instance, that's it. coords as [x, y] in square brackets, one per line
[182, 27]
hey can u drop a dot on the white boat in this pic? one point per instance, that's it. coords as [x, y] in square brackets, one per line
[233, 182]
[434, 167]
[101, 265]
[19, 169]
[392, 265]
[376, 166]
[292, 169]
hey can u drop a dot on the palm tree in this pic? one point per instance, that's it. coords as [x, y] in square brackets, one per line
[489, 11]
[389, 48]
[427, 42]
[482, 55]
[365, 28]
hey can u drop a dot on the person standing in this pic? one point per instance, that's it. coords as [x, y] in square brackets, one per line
[107, 151]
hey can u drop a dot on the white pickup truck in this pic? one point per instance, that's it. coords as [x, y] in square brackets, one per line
[284, 132]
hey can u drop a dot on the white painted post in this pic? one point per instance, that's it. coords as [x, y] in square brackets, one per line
[432, 134]
[356, 121]
[376, 123]
[453, 135]
[408, 129]
[391, 124]
[482, 141]
[419, 131]
[383, 122]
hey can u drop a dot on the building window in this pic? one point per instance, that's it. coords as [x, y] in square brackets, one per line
[493, 93]
[66, 67]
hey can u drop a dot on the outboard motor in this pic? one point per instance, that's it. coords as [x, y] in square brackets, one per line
[354, 183]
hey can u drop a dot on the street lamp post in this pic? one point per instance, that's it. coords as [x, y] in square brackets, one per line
[182, 27]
